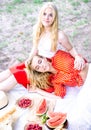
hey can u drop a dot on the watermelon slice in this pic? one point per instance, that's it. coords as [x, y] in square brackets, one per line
[52, 114]
[56, 119]
[42, 108]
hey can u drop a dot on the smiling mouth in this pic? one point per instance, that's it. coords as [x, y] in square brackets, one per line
[46, 21]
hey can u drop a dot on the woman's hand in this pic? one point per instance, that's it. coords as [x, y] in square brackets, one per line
[79, 63]
[31, 88]
[27, 61]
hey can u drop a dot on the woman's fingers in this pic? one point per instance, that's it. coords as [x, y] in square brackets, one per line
[79, 63]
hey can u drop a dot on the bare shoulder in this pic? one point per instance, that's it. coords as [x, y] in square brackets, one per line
[64, 40]
[61, 35]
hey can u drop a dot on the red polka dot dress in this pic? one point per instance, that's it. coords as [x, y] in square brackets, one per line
[66, 75]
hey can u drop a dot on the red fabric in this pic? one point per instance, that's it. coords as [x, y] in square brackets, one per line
[50, 89]
[20, 66]
[63, 62]
[20, 74]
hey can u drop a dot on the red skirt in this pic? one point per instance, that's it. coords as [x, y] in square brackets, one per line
[20, 74]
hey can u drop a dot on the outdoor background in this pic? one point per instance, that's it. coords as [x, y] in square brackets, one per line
[17, 18]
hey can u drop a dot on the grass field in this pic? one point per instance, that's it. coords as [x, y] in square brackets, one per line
[17, 18]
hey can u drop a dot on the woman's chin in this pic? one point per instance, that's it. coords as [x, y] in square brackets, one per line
[46, 25]
[47, 69]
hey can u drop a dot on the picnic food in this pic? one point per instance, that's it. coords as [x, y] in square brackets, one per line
[7, 114]
[52, 114]
[42, 108]
[56, 119]
[7, 118]
[44, 118]
[33, 126]
[25, 102]
[3, 99]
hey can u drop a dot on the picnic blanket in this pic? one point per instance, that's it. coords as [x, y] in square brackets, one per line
[77, 105]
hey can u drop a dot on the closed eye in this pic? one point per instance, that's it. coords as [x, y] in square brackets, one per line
[38, 64]
[39, 61]
[37, 68]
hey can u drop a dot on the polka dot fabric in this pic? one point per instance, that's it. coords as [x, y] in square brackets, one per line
[63, 62]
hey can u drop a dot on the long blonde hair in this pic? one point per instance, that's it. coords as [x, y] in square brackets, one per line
[39, 28]
[38, 79]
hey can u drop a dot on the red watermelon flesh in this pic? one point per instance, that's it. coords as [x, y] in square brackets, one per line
[56, 121]
[51, 114]
[42, 108]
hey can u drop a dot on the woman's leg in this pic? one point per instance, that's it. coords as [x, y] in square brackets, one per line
[5, 74]
[8, 84]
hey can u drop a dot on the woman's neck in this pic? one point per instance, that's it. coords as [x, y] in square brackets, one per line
[47, 30]
[52, 69]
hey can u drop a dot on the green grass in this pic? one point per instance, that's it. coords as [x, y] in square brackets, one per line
[20, 59]
[20, 7]
[86, 43]
[86, 1]
[37, 1]
[17, 1]
[3, 45]
[81, 22]
[67, 8]
[10, 8]
[75, 3]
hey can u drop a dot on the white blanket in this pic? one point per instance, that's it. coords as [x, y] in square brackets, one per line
[77, 104]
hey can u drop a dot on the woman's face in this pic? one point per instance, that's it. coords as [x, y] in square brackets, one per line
[47, 17]
[40, 64]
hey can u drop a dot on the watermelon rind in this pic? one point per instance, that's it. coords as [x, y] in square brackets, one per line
[51, 124]
[42, 108]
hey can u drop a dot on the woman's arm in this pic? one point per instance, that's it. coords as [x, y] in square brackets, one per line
[64, 41]
[32, 89]
[79, 62]
[32, 53]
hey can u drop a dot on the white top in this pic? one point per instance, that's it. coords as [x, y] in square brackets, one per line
[44, 47]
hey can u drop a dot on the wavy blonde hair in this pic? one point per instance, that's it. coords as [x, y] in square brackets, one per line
[38, 79]
[39, 28]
